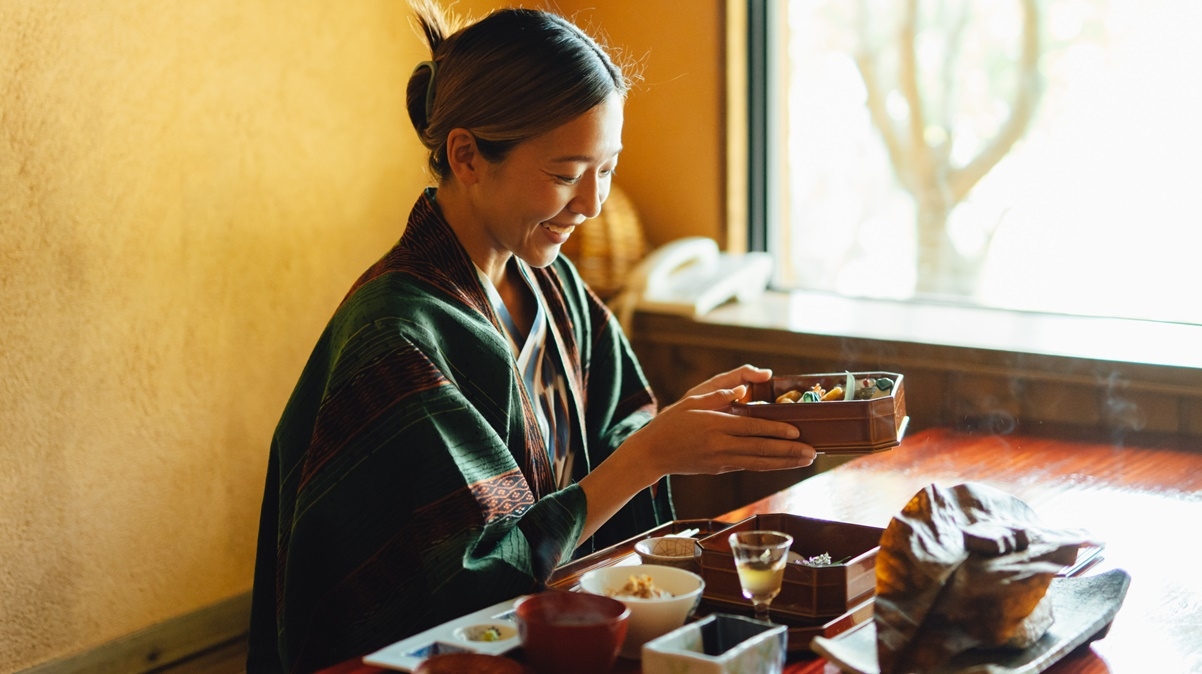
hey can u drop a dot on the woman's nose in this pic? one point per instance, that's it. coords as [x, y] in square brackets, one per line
[589, 197]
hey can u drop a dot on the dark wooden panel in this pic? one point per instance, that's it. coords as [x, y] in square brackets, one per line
[210, 639]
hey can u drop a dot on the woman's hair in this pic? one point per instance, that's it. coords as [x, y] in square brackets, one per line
[506, 78]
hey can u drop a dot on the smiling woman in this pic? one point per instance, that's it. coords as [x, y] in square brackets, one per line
[473, 414]
[530, 203]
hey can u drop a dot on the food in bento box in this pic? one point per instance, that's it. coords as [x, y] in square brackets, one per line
[861, 389]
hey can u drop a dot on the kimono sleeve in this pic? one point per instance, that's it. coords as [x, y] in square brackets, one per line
[400, 506]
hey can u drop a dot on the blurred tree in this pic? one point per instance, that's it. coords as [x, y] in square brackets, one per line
[915, 113]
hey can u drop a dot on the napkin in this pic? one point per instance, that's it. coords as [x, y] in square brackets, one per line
[964, 567]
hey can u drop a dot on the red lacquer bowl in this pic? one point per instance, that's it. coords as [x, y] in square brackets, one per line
[571, 631]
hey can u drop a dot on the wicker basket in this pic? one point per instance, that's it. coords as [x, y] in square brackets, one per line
[605, 248]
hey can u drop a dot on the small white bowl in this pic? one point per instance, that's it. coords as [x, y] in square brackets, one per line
[649, 618]
[683, 553]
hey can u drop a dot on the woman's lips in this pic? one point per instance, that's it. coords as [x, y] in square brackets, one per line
[559, 230]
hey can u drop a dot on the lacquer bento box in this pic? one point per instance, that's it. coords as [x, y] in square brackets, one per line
[836, 412]
[832, 567]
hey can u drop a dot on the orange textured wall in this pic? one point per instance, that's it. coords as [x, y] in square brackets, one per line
[186, 191]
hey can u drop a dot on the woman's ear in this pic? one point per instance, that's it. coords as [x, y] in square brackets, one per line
[463, 156]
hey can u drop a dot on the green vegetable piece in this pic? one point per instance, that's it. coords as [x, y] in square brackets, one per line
[810, 397]
[884, 383]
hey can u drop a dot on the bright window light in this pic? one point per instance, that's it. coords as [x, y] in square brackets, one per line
[1033, 155]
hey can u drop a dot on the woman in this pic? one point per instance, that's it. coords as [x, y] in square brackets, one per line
[472, 415]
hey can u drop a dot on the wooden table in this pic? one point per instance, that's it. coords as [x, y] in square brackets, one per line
[1144, 503]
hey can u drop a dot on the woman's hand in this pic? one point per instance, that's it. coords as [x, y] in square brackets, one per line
[744, 374]
[700, 435]
[697, 435]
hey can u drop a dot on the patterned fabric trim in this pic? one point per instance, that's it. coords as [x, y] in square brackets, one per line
[431, 252]
[538, 360]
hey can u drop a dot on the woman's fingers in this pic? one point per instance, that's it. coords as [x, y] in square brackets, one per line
[761, 454]
[719, 442]
[718, 399]
[700, 434]
[752, 427]
[736, 424]
[741, 375]
[744, 374]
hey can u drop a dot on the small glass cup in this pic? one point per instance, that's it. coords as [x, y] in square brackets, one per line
[760, 558]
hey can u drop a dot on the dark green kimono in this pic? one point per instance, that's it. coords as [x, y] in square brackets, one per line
[408, 482]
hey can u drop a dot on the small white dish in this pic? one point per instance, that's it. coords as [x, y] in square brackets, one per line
[461, 635]
[489, 632]
[719, 644]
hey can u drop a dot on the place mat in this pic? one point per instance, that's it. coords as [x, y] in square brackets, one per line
[1083, 607]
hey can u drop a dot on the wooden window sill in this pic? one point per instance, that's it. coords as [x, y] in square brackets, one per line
[1108, 339]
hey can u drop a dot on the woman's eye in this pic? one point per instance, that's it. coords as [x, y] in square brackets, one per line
[572, 180]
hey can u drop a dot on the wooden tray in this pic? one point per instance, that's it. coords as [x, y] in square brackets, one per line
[801, 630]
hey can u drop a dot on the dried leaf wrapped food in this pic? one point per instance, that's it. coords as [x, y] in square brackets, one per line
[964, 567]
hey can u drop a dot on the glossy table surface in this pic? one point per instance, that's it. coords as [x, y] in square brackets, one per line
[1143, 502]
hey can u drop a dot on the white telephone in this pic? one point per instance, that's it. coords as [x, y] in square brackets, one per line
[690, 276]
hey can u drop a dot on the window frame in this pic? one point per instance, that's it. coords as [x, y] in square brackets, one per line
[759, 100]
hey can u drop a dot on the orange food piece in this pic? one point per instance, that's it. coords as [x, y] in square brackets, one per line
[834, 394]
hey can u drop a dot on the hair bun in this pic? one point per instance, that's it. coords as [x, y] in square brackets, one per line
[508, 77]
[420, 95]
[430, 80]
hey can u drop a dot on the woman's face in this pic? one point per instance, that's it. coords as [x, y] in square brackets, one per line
[530, 202]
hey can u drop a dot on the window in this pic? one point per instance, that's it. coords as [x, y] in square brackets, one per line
[1032, 155]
